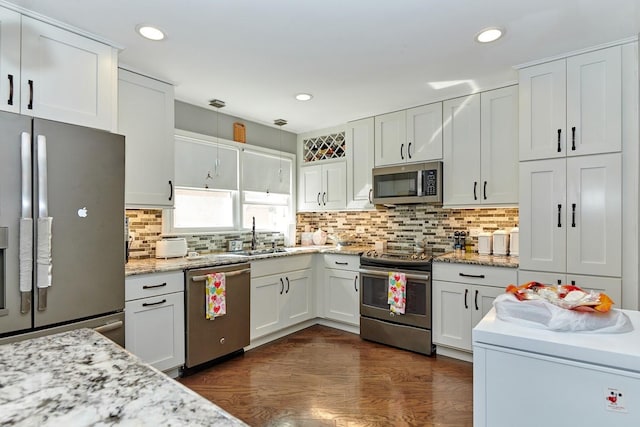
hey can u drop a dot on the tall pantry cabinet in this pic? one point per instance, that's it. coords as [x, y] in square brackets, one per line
[571, 194]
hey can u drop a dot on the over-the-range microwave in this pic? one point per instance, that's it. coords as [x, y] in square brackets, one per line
[408, 184]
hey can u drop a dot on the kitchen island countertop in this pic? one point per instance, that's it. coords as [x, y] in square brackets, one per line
[476, 259]
[153, 265]
[81, 378]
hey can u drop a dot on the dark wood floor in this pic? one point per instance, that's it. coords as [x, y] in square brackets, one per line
[321, 376]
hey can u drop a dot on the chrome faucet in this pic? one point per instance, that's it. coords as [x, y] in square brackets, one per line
[253, 234]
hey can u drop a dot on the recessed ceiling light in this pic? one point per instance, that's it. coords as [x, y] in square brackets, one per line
[304, 96]
[149, 32]
[489, 35]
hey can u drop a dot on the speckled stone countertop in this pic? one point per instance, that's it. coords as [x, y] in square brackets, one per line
[474, 258]
[152, 265]
[80, 378]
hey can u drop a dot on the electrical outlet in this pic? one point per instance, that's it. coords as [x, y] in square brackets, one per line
[475, 231]
[360, 229]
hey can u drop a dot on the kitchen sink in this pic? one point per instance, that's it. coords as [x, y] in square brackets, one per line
[258, 252]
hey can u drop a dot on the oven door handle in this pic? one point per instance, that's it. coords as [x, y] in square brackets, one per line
[386, 274]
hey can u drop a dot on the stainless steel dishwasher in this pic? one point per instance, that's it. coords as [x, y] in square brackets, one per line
[207, 340]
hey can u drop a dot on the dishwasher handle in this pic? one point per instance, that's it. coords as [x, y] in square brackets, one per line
[229, 274]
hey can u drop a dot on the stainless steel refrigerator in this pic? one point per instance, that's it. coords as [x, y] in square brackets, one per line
[61, 229]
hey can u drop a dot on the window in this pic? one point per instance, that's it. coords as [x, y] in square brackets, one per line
[272, 211]
[203, 209]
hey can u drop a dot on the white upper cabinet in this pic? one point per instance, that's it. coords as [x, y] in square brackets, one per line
[322, 187]
[52, 73]
[146, 118]
[481, 148]
[66, 77]
[265, 172]
[412, 135]
[499, 145]
[9, 60]
[572, 106]
[462, 151]
[571, 215]
[360, 162]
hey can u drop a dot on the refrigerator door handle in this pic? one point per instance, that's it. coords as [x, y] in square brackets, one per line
[26, 227]
[43, 249]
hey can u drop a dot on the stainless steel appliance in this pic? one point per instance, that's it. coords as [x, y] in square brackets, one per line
[61, 215]
[408, 184]
[412, 330]
[206, 339]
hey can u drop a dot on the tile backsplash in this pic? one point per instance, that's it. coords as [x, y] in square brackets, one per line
[401, 226]
[404, 225]
[145, 226]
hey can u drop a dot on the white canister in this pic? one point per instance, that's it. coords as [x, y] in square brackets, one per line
[514, 242]
[500, 242]
[485, 243]
[306, 239]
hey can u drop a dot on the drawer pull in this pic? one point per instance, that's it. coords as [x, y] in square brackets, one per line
[154, 286]
[466, 293]
[341, 263]
[147, 304]
[476, 300]
[475, 276]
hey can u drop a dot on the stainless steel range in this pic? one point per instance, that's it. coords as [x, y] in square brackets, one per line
[412, 330]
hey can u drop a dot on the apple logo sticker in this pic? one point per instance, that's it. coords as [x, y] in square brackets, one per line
[82, 212]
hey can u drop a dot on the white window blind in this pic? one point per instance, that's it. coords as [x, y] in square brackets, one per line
[205, 164]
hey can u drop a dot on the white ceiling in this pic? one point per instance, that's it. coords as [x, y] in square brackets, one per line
[357, 57]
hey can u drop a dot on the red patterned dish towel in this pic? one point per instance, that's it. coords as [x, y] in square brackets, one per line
[216, 295]
[397, 292]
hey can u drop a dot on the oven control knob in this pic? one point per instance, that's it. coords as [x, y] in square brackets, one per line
[222, 340]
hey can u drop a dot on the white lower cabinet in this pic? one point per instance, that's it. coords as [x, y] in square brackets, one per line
[462, 295]
[281, 293]
[154, 318]
[341, 288]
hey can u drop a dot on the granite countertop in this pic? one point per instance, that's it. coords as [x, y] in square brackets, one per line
[153, 265]
[81, 378]
[474, 258]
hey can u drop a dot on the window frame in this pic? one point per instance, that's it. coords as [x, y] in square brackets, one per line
[238, 196]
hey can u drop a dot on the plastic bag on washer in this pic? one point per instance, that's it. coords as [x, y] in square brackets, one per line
[544, 315]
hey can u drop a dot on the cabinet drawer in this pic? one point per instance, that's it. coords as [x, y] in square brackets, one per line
[475, 274]
[342, 262]
[280, 264]
[149, 285]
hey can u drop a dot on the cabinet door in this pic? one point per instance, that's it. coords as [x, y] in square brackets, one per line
[310, 187]
[543, 111]
[9, 60]
[154, 330]
[334, 192]
[594, 102]
[390, 138]
[483, 297]
[145, 118]
[66, 77]
[359, 163]
[609, 285]
[341, 301]
[424, 132]
[543, 215]
[267, 305]
[452, 314]
[499, 146]
[594, 215]
[297, 294]
[461, 135]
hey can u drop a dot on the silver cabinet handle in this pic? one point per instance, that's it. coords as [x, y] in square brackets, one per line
[370, 195]
[229, 274]
[318, 199]
[324, 200]
[109, 327]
